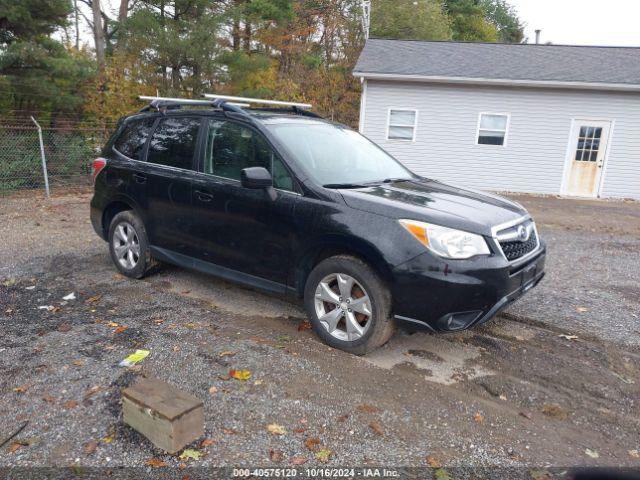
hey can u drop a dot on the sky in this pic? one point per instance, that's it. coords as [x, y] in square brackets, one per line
[581, 22]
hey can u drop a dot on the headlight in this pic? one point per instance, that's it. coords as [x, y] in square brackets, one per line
[447, 242]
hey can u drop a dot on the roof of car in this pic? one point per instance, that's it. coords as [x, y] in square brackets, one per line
[557, 64]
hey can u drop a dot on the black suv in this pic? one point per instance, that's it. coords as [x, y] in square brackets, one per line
[287, 202]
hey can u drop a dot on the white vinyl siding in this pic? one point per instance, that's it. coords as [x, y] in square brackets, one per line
[533, 159]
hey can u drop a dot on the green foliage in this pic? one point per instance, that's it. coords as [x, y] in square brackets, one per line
[27, 19]
[469, 21]
[505, 18]
[410, 20]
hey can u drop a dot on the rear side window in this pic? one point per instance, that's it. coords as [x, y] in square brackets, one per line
[174, 142]
[133, 138]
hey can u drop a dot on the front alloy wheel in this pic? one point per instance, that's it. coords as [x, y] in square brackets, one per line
[343, 306]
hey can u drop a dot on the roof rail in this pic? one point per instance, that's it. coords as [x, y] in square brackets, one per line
[260, 101]
[168, 102]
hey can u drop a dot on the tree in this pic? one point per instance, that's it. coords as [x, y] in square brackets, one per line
[36, 71]
[410, 20]
[505, 18]
[469, 21]
[98, 33]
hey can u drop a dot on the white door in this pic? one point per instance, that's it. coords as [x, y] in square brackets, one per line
[587, 153]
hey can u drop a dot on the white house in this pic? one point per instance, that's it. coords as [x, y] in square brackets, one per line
[522, 118]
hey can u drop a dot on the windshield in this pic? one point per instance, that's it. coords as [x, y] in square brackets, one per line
[336, 155]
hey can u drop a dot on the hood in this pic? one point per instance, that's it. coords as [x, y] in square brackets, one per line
[431, 201]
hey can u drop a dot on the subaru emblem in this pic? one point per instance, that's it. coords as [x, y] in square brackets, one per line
[523, 234]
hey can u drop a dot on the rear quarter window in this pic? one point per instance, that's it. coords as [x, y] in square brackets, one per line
[133, 138]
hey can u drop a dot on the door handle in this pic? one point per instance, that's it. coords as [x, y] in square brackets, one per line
[204, 196]
[139, 178]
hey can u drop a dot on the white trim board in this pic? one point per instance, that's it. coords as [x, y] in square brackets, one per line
[500, 82]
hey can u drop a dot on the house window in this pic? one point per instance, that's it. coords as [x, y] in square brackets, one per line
[492, 128]
[402, 124]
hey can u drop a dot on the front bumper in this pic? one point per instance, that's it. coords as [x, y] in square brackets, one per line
[454, 295]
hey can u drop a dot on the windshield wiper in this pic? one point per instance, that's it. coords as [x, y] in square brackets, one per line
[344, 185]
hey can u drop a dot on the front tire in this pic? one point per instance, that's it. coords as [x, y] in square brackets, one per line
[128, 244]
[349, 305]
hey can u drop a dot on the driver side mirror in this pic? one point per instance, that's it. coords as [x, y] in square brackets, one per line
[256, 178]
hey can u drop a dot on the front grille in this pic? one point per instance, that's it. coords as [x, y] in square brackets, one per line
[516, 249]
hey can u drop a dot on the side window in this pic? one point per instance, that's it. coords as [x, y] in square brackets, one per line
[133, 138]
[173, 142]
[232, 147]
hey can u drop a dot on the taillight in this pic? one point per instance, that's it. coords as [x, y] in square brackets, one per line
[98, 165]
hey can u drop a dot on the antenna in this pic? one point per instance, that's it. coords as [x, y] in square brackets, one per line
[366, 17]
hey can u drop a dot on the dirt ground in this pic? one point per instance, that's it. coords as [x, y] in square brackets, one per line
[555, 382]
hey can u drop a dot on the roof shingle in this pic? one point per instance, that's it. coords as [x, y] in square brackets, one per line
[495, 61]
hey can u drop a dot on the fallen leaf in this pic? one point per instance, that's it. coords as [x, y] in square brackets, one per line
[377, 428]
[366, 408]
[213, 390]
[299, 430]
[69, 404]
[634, 453]
[9, 282]
[20, 389]
[91, 391]
[525, 415]
[306, 325]
[539, 475]
[48, 398]
[258, 382]
[16, 445]
[343, 418]
[478, 418]
[240, 374]
[90, 447]
[323, 455]
[312, 443]
[158, 321]
[582, 309]
[591, 453]
[298, 460]
[190, 453]
[78, 363]
[113, 324]
[503, 397]
[553, 410]
[190, 325]
[442, 474]
[568, 337]
[107, 439]
[433, 462]
[120, 329]
[229, 431]
[94, 299]
[226, 353]
[156, 462]
[276, 455]
[275, 429]
[207, 442]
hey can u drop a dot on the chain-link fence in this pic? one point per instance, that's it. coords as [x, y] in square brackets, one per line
[68, 153]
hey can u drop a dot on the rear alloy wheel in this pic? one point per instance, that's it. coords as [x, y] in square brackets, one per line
[128, 244]
[349, 304]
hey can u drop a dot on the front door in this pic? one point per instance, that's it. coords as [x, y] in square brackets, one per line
[240, 228]
[588, 150]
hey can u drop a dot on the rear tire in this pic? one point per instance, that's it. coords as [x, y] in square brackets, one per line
[349, 305]
[128, 245]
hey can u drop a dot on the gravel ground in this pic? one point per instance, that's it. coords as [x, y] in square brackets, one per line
[519, 392]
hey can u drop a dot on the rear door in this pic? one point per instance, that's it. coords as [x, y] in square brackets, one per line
[126, 171]
[240, 228]
[171, 162]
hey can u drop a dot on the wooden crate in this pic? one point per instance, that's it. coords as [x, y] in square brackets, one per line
[170, 418]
